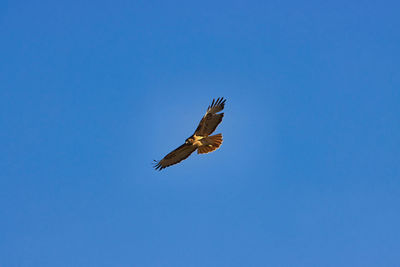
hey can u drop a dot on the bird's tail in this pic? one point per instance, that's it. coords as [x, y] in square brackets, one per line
[210, 144]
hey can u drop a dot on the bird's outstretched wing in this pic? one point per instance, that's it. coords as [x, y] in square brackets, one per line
[175, 156]
[211, 119]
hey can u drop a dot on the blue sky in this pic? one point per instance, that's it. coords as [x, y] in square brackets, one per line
[92, 92]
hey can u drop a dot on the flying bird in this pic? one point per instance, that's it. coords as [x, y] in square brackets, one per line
[201, 139]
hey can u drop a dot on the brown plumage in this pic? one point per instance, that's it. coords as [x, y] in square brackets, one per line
[210, 144]
[200, 140]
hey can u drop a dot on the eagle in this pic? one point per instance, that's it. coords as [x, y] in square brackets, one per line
[201, 139]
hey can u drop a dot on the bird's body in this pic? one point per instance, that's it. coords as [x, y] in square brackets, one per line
[201, 139]
[196, 140]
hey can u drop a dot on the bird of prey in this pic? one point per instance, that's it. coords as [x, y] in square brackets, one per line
[201, 139]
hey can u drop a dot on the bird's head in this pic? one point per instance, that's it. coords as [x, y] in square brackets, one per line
[189, 141]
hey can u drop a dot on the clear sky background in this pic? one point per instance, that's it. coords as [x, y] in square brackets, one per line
[92, 92]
